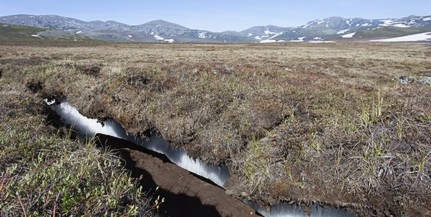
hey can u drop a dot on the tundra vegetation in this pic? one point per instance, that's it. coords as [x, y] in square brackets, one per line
[326, 123]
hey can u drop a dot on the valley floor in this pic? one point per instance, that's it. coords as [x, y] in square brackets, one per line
[343, 124]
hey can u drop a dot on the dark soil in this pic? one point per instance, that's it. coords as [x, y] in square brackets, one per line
[184, 194]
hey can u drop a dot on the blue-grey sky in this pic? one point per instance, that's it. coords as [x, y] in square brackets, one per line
[218, 15]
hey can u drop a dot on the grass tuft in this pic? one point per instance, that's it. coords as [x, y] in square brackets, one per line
[44, 173]
[295, 122]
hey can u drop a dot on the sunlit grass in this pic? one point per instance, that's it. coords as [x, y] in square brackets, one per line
[45, 173]
[325, 123]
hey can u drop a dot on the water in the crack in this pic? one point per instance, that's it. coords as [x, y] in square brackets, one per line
[85, 126]
[293, 210]
[88, 128]
[217, 174]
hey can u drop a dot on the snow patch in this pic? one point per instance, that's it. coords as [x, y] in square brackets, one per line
[268, 41]
[179, 156]
[268, 37]
[427, 19]
[342, 31]
[293, 210]
[387, 22]
[202, 35]
[170, 40]
[160, 38]
[350, 35]
[36, 36]
[86, 126]
[90, 127]
[78, 32]
[267, 32]
[249, 35]
[408, 38]
[271, 41]
[390, 22]
[275, 35]
[320, 42]
[300, 39]
[400, 25]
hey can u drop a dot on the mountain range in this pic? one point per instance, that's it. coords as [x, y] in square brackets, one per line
[333, 28]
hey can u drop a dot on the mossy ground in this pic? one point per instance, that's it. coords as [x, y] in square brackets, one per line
[294, 122]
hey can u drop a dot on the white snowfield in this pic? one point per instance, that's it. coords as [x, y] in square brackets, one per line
[342, 31]
[160, 38]
[426, 36]
[350, 35]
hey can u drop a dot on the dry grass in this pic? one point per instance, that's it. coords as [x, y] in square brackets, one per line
[295, 122]
[43, 173]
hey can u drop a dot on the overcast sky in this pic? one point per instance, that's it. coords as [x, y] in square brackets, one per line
[218, 15]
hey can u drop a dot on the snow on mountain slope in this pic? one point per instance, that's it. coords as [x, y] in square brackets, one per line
[264, 34]
[409, 38]
[396, 23]
[328, 29]
[350, 35]
[202, 35]
[160, 38]
[343, 31]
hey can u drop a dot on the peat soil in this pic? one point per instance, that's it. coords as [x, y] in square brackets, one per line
[183, 193]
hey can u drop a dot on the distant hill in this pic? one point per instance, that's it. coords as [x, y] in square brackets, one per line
[14, 32]
[332, 28]
[390, 32]
[335, 28]
[10, 32]
[154, 31]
